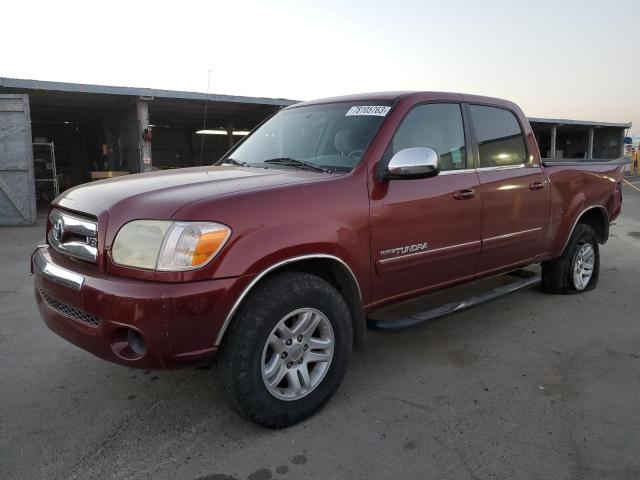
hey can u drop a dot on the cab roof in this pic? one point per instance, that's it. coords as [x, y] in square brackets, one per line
[418, 96]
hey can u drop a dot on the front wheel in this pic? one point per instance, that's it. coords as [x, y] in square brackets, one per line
[578, 268]
[286, 350]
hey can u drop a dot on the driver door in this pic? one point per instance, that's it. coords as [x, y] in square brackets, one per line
[425, 233]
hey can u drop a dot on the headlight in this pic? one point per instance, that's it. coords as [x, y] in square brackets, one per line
[138, 243]
[168, 246]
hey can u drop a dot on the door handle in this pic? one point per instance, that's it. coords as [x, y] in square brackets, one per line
[536, 186]
[465, 194]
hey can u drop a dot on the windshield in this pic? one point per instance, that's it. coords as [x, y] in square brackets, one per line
[329, 137]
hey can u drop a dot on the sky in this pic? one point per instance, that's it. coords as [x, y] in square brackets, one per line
[560, 59]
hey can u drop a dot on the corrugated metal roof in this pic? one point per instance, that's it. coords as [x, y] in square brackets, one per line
[137, 92]
[586, 123]
[213, 97]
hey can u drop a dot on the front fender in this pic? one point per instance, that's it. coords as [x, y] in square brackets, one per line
[328, 217]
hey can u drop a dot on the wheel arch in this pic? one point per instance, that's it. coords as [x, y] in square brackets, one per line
[597, 218]
[328, 267]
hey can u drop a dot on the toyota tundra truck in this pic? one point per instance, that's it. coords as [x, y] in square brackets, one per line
[274, 260]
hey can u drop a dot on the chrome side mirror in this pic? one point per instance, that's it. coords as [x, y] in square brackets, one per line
[415, 162]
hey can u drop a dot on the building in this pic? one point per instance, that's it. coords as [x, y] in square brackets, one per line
[577, 139]
[56, 135]
[95, 128]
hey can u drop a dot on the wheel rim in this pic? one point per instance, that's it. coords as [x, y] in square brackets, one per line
[297, 354]
[583, 263]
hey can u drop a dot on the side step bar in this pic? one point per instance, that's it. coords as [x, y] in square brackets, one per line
[527, 279]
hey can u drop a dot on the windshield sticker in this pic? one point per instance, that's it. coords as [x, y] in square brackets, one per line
[379, 111]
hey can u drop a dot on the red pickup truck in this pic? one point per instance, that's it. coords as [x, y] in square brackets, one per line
[274, 260]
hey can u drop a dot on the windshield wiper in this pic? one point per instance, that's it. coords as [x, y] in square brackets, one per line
[293, 162]
[233, 161]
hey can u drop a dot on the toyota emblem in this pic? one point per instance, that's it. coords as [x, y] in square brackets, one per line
[58, 229]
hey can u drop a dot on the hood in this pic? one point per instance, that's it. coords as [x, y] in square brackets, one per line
[160, 194]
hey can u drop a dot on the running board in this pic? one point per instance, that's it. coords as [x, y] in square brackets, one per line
[527, 279]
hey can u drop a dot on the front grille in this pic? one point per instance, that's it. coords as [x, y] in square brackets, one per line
[74, 235]
[69, 311]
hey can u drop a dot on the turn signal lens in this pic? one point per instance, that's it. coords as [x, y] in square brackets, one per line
[208, 245]
[189, 245]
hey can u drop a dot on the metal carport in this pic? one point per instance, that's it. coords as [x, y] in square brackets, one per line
[98, 128]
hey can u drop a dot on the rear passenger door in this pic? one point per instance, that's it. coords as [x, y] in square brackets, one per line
[514, 191]
[426, 232]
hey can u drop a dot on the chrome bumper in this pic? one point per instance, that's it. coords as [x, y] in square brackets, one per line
[42, 264]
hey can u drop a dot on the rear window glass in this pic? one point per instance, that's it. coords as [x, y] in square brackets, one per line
[500, 139]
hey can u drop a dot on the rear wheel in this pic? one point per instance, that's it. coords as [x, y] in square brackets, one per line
[286, 350]
[578, 268]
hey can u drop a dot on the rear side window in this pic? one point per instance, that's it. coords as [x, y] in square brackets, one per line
[438, 126]
[499, 136]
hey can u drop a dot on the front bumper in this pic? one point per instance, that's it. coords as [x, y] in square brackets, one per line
[177, 322]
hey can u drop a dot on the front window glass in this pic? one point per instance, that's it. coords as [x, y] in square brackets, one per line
[437, 126]
[500, 140]
[332, 137]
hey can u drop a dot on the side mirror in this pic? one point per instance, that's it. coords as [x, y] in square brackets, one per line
[415, 162]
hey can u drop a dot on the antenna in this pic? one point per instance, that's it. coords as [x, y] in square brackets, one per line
[204, 120]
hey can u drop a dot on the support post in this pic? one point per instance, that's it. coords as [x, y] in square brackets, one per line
[553, 141]
[108, 140]
[590, 148]
[192, 160]
[230, 134]
[144, 146]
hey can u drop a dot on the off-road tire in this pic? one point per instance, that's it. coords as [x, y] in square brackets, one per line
[238, 367]
[557, 275]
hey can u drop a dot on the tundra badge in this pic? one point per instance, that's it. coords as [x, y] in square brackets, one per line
[417, 247]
